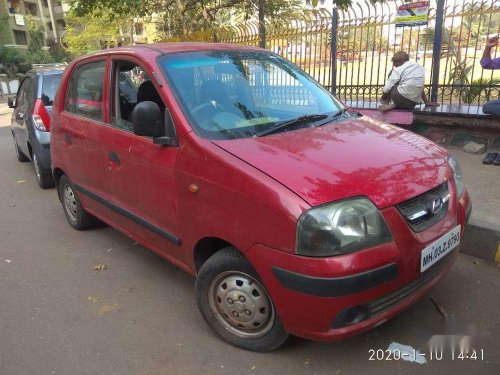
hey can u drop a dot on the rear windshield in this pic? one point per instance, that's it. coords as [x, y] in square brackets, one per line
[49, 88]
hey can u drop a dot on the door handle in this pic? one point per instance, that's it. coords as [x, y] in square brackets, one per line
[67, 139]
[112, 156]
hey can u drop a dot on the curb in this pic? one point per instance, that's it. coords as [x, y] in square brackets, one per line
[481, 240]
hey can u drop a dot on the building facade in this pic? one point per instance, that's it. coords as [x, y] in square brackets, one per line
[15, 16]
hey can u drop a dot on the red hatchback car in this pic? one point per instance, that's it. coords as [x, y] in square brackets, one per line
[295, 214]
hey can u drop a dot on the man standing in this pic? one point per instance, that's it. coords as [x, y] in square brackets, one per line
[493, 106]
[405, 85]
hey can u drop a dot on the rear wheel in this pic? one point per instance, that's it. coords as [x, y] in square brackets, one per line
[235, 303]
[44, 179]
[19, 154]
[77, 217]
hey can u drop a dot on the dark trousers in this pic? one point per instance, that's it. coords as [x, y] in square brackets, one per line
[492, 108]
[400, 101]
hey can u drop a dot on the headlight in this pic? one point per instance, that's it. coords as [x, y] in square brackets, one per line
[340, 228]
[457, 175]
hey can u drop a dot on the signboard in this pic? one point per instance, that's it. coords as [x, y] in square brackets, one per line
[413, 14]
[19, 19]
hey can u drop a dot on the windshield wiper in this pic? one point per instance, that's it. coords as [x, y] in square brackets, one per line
[341, 112]
[292, 122]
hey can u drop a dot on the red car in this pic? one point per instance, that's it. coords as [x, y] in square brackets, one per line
[295, 214]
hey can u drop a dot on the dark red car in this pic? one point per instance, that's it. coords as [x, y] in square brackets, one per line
[295, 214]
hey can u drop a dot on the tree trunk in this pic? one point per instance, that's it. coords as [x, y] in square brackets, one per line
[262, 25]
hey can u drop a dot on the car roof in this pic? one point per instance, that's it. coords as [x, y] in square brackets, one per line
[193, 46]
[167, 48]
[47, 69]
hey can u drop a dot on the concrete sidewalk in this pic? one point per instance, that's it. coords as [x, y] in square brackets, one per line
[482, 235]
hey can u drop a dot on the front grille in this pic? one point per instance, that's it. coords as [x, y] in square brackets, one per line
[418, 211]
[384, 303]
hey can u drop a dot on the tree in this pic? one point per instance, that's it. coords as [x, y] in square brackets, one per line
[35, 53]
[182, 17]
[85, 33]
[10, 61]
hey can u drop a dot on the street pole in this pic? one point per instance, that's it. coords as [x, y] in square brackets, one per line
[52, 20]
[333, 49]
[436, 51]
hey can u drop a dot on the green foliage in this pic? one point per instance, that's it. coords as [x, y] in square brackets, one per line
[183, 17]
[85, 33]
[11, 60]
[35, 53]
[477, 89]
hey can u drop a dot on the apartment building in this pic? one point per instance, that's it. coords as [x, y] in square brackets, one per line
[15, 14]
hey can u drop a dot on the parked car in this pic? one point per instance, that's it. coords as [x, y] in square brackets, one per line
[295, 214]
[30, 123]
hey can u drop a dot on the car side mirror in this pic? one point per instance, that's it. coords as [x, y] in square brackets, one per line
[147, 122]
[170, 135]
[11, 102]
[146, 119]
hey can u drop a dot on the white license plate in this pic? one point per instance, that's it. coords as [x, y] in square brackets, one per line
[439, 248]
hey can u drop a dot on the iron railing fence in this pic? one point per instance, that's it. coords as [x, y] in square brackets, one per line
[364, 37]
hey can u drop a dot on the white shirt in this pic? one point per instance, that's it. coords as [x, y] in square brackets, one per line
[411, 77]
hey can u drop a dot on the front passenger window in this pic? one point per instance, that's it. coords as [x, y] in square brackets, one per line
[85, 91]
[131, 85]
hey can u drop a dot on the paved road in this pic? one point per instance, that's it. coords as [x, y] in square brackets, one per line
[60, 316]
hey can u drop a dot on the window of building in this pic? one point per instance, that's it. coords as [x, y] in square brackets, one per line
[20, 37]
[31, 8]
[139, 29]
[85, 91]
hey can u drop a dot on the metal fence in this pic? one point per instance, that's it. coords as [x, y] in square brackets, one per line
[364, 37]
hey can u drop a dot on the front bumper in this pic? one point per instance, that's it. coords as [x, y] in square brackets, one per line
[334, 298]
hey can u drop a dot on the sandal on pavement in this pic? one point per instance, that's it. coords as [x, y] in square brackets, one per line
[490, 157]
[497, 160]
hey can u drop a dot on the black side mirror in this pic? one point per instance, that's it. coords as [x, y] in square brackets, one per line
[170, 135]
[146, 119]
[11, 102]
[147, 122]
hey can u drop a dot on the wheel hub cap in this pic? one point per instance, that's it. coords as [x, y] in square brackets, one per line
[37, 168]
[70, 202]
[241, 304]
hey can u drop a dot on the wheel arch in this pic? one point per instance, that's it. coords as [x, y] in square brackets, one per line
[205, 248]
[57, 173]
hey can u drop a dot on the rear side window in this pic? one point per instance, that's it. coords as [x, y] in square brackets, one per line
[25, 93]
[85, 91]
[49, 88]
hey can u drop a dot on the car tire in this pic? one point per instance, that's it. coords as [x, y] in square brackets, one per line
[77, 217]
[226, 286]
[19, 154]
[44, 179]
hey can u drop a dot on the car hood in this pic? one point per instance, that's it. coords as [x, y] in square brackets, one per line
[358, 157]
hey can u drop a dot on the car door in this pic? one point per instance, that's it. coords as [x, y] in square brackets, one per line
[80, 128]
[22, 113]
[140, 174]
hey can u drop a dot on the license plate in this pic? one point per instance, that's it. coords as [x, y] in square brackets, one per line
[439, 248]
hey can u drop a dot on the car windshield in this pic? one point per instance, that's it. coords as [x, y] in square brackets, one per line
[49, 87]
[238, 94]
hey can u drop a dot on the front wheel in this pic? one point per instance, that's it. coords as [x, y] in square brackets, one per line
[235, 303]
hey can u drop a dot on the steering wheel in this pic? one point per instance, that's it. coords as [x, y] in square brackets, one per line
[213, 105]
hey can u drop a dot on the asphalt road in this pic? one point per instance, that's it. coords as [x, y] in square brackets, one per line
[60, 316]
